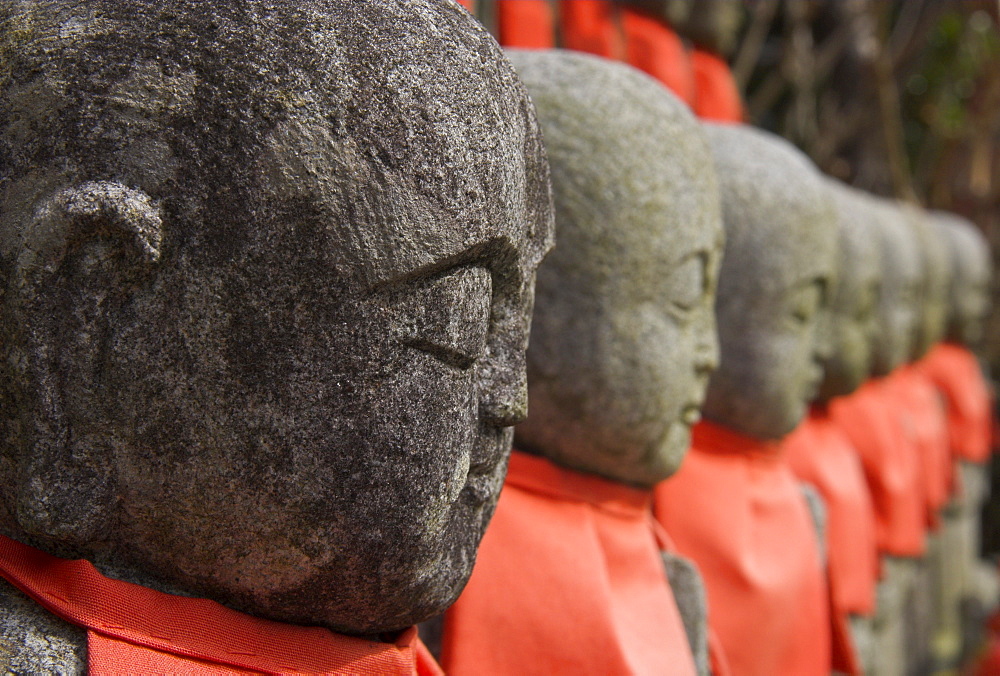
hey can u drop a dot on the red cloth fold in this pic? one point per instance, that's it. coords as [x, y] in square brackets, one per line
[870, 419]
[736, 509]
[591, 26]
[956, 374]
[568, 580]
[922, 412]
[654, 48]
[468, 4]
[820, 454]
[526, 24]
[716, 96]
[132, 629]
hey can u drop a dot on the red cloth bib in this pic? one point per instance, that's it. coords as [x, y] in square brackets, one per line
[468, 4]
[736, 509]
[654, 48]
[527, 24]
[820, 454]
[716, 96]
[870, 420]
[132, 629]
[568, 580]
[923, 415]
[591, 26]
[955, 372]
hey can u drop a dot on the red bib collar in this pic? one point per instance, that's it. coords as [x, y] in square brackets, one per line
[712, 438]
[132, 628]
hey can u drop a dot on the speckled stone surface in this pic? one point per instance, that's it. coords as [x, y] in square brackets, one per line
[853, 308]
[623, 338]
[969, 288]
[775, 282]
[268, 272]
[899, 254]
[936, 262]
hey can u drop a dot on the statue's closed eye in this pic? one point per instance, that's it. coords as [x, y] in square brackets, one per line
[688, 283]
[448, 317]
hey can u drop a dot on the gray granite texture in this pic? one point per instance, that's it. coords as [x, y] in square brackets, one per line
[855, 296]
[268, 273]
[775, 283]
[623, 336]
[936, 267]
[969, 287]
[899, 253]
[688, 588]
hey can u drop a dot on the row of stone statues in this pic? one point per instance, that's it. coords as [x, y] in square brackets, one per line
[269, 276]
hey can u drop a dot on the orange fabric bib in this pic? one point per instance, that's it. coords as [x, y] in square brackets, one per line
[870, 420]
[654, 48]
[527, 24]
[956, 374]
[922, 412]
[736, 510]
[716, 96]
[568, 580]
[820, 454]
[590, 26]
[132, 629]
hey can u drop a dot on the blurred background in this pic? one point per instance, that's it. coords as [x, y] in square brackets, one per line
[899, 97]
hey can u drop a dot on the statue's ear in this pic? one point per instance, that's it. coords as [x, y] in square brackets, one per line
[82, 255]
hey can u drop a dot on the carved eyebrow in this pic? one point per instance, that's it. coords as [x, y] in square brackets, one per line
[497, 254]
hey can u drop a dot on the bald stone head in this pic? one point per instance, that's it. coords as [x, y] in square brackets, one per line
[936, 267]
[268, 271]
[972, 269]
[623, 336]
[902, 280]
[854, 301]
[774, 285]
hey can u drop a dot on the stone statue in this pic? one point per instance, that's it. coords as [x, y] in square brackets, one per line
[871, 419]
[969, 288]
[781, 250]
[734, 506]
[623, 338]
[954, 369]
[932, 303]
[623, 341]
[268, 273]
[855, 298]
[819, 453]
[901, 286]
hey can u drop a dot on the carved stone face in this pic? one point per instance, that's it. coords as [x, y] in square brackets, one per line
[932, 302]
[853, 313]
[623, 336]
[969, 289]
[901, 286]
[777, 270]
[303, 408]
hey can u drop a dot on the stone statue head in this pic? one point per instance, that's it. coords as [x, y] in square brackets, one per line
[623, 336]
[969, 287]
[268, 275]
[900, 258]
[854, 300]
[932, 299]
[774, 285]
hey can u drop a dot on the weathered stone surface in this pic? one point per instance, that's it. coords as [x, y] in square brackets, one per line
[901, 278]
[623, 337]
[932, 300]
[267, 279]
[969, 288]
[779, 265]
[692, 602]
[855, 296]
